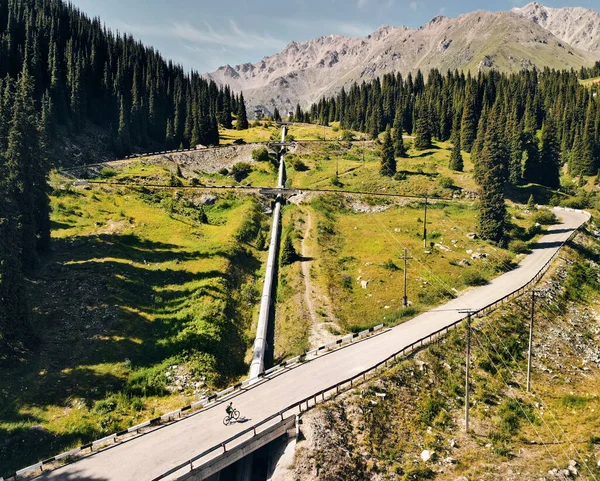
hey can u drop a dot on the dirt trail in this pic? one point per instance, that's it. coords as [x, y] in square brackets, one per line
[322, 327]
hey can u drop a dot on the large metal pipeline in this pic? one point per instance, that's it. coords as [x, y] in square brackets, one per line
[260, 343]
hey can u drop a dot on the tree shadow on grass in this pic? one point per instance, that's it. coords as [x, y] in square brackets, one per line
[101, 314]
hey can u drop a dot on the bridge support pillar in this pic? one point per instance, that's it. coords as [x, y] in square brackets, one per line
[245, 468]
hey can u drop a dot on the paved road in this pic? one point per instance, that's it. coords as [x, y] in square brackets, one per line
[148, 456]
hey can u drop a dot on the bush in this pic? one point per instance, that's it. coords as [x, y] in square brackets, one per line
[545, 217]
[260, 155]
[107, 173]
[400, 176]
[446, 182]
[347, 135]
[105, 406]
[335, 181]
[194, 182]
[298, 165]
[240, 171]
[223, 171]
[474, 278]
[347, 282]
[175, 181]
[519, 246]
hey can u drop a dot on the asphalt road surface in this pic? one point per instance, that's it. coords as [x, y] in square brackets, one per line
[154, 453]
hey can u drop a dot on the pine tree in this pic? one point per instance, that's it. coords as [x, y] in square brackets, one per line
[22, 160]
[124, 139]
[456, 159]
[288, 252]
[550, 155]
[423, 134]
[388, 161]
[399, 147]
[468, 129]
[492, 208]
[532, 169]
[242, 118]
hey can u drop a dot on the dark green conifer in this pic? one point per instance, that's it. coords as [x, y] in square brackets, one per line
[388, 160]
[399, 147]
[242, 118]
[492, 208]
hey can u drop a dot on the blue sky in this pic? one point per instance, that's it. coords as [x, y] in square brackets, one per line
[205, 34]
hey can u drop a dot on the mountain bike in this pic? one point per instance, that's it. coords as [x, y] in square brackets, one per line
[232, 417]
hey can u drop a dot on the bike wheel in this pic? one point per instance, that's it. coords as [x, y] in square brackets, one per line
[226, 420]
[235, 414]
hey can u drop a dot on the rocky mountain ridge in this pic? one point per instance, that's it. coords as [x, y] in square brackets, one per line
[507, 41]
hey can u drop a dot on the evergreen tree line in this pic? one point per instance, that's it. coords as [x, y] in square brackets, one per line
[457, 107]
[60, 71]
[90, 75]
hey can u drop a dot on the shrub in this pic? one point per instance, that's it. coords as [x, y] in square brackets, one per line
[107, 173]
[347, 282]
[446, 182]
[347, 135]
[105, 406]
[298, 165]
[335, 181]
[260, 155]
[429, 410]
[175, 181]
[400, 176]
[194, 182]
[518, 246]
[545, 217]
[474, 278]
[240, 171]
[223, 171]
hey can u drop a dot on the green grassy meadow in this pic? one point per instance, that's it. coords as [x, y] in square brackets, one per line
[135, 284]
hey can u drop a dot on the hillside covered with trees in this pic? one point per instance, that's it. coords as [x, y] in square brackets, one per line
[520, 128]
[60, 74]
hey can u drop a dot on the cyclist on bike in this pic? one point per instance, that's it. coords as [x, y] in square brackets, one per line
[229, 409]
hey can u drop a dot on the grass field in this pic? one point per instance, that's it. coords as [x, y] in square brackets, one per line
[140, 308]
[265, 131]
[383, 426]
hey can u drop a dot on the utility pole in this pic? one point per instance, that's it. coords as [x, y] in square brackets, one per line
[530, 341]
[405, 297]
[467, 367]
[425, 226]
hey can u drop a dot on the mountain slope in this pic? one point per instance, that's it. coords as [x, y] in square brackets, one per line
[579, 27]
[303, 72]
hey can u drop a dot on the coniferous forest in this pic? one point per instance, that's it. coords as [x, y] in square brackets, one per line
[519, 128]
[60, 73]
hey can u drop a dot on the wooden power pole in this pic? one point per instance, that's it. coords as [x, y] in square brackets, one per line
[425, 226]
[530, 341]
[405, 297]
[467, 367]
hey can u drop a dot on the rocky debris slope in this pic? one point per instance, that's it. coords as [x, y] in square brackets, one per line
[579, 27]
[407, 424]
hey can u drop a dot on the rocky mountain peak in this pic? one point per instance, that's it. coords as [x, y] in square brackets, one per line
[531, 36]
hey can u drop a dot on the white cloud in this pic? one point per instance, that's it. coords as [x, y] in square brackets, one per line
[413, 6]
[233, 36]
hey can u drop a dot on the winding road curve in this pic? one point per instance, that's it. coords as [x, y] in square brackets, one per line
[154, 453]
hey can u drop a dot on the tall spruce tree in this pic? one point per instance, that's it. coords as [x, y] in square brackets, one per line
[492, 208]
[468, 128]
[423, 133]
[399, 147]
[456, 160]
[550, 154]
[388, 160]
[242, 118]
